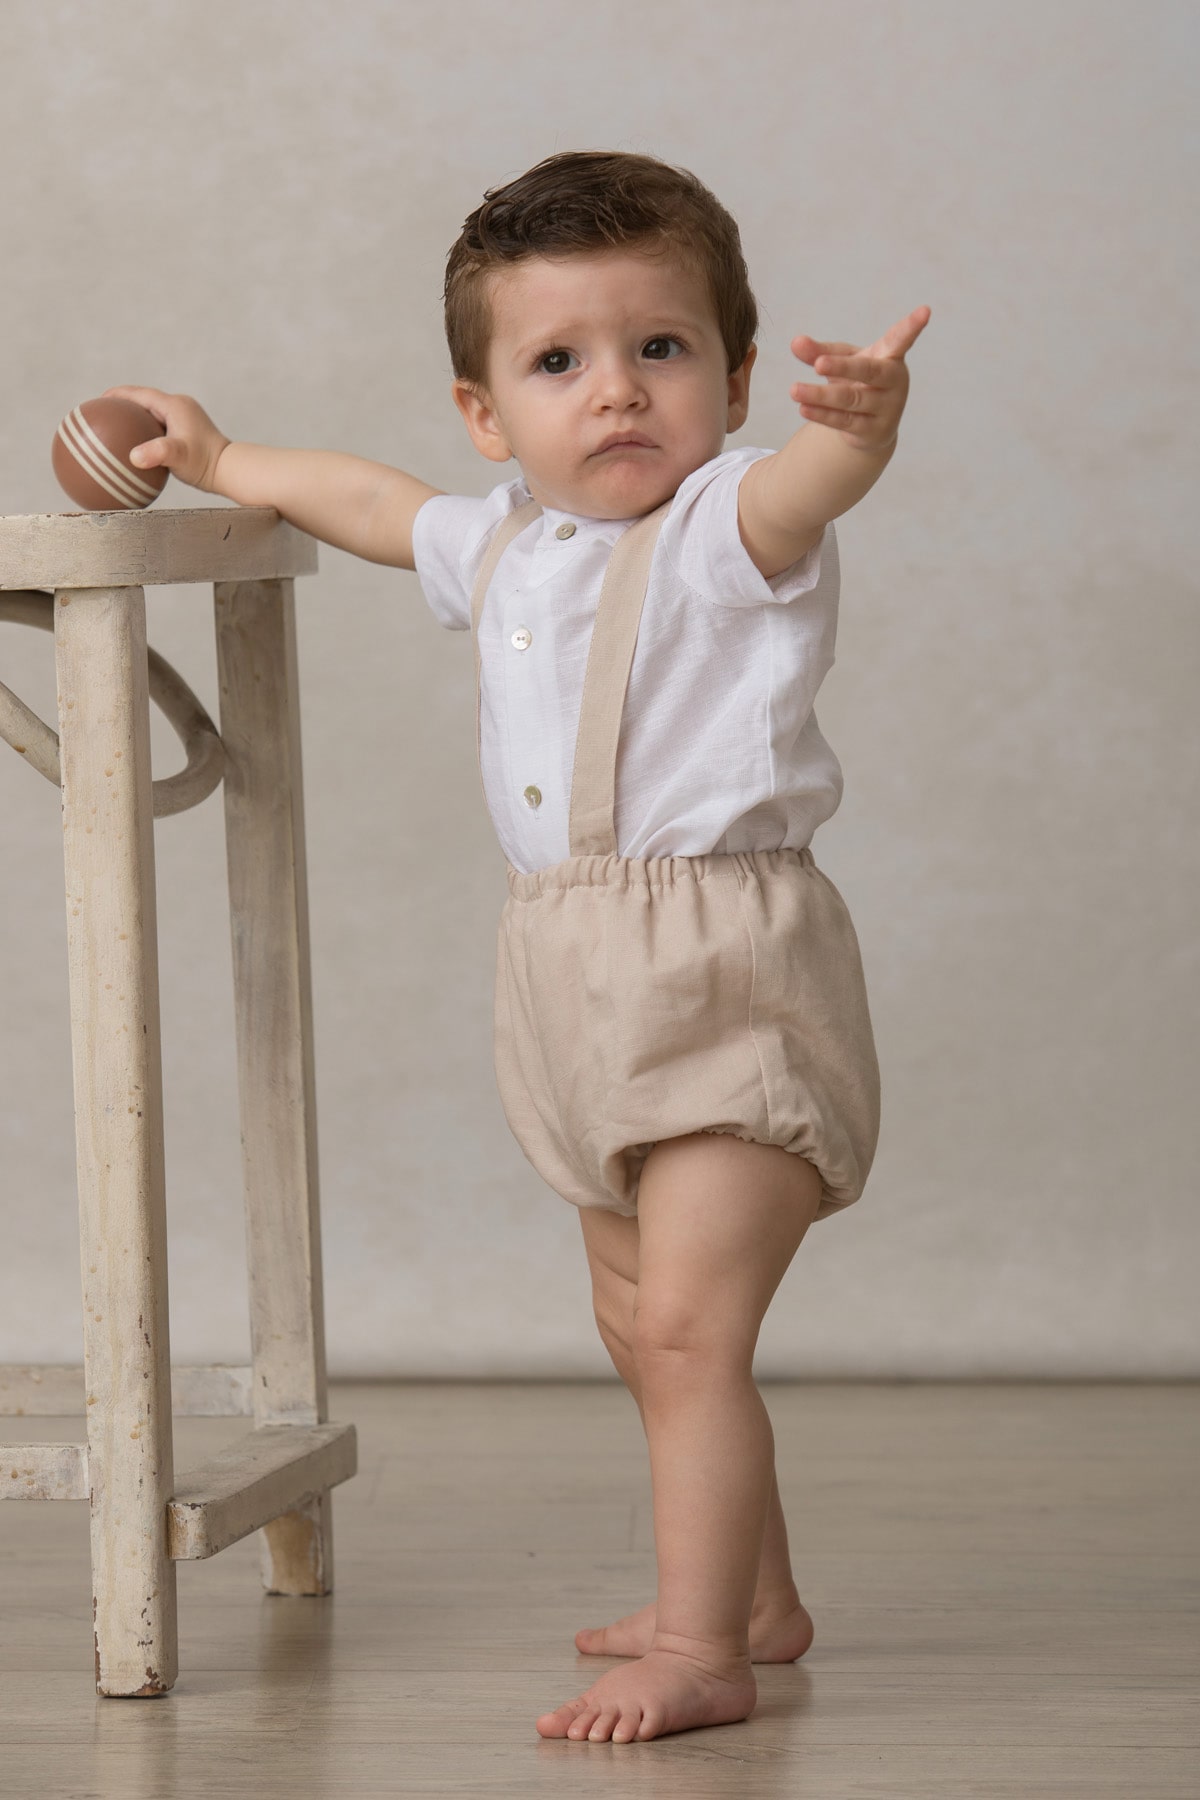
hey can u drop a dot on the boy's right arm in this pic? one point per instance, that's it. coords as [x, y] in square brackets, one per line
[365, 507]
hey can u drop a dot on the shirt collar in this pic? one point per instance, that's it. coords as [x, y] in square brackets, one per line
[586, 527]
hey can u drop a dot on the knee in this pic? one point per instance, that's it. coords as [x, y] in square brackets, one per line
[676, 1339]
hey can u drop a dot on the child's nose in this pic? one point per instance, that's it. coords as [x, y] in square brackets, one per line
[618, 382]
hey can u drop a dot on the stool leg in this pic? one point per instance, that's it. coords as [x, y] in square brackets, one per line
[268, 903]
[112, 951]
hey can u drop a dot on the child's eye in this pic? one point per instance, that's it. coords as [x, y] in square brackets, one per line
[551, 356]
[648, 349]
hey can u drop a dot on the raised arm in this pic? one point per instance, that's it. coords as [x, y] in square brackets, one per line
[785, 501]
[365, 507]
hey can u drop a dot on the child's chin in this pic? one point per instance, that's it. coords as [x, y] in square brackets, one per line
[629, 487]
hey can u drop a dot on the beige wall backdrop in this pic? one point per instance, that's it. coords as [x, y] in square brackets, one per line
[252, 203]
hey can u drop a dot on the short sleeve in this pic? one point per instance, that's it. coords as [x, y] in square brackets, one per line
[700, 537]
[450, 537]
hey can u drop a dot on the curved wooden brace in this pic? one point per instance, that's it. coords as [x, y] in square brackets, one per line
[32, 738]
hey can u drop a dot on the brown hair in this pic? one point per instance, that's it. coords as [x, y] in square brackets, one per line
[587, 200]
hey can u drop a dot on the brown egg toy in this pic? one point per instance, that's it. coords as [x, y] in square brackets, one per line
[90, 454]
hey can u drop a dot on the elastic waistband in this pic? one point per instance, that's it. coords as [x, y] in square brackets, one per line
[653, 871]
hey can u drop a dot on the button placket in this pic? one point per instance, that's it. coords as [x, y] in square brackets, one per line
[521, 639]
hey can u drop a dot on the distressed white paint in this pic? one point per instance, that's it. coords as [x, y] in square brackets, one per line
[268, 903]
[279, 1478]
[108, 860]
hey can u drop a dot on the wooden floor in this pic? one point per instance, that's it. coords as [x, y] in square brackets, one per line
[1003, 1579]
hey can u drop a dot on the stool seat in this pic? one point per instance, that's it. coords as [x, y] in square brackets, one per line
[84, 576]
[151, 548]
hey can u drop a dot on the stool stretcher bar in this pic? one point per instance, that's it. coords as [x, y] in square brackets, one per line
[247, 1485]
[58, 1391]
[43, 1472]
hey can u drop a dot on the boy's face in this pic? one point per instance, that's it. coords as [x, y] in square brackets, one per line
[598, 346]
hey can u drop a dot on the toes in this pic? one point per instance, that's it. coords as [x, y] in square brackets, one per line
[602, 1730]
[584, 1718]
[563, 1720]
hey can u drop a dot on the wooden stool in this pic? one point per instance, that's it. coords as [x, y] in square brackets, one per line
[278, 1476]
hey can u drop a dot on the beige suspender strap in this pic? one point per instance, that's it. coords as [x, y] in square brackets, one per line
[592, 831]
[505, 532]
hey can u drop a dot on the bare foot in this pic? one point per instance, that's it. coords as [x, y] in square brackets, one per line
[778, 1635]
[663, 1692]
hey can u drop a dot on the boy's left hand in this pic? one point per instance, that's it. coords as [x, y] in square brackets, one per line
[867, 397]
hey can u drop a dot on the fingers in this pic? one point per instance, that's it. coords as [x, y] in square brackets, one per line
[864, 381]
[875, 371]
[186, 447]
[852, 424]
[899, 338]
[864, 391]
[912, 326]
[153, 399]
[174, 453]
[801, 345]
[156, 452]
[841, 417]
[840, 394]
[891, 347]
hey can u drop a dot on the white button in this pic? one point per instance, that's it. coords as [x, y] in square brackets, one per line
[565, 530]
[522, 637]
[533, 797]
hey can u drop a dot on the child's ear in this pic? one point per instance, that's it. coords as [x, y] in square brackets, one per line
[739, 391]
[482, 420]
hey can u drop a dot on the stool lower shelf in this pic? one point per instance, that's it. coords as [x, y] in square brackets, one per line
[265, 1474]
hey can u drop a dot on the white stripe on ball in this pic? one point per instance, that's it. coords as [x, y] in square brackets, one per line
[102, 450]
[106, 479]
[81, 457]
[98, 461]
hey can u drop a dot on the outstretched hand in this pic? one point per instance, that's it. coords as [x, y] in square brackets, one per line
[866, 390]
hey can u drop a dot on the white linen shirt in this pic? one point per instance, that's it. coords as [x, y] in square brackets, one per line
[719, 747]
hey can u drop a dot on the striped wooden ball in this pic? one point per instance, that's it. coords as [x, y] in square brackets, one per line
[90, 454]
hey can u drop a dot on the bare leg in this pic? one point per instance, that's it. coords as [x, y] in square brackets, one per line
[719, 1223]
[781, 1628]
